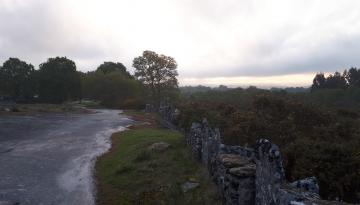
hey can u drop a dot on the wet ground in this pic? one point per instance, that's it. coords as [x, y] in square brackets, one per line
[48, 159]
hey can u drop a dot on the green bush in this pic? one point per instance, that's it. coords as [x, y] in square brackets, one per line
[113, 90]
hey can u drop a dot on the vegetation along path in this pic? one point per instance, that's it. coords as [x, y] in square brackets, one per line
[148, 164]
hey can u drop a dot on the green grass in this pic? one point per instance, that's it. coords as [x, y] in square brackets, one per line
[89, 104]
[47, 108]
[132, 174]
[133, 112]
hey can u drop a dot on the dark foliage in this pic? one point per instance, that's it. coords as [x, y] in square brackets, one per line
[315, 140]
[18, 80]
[59, 81]
[109, 67]
[348, 79]
[353, 77]
[115, 89]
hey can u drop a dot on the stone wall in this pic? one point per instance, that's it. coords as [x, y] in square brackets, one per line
[271, 186]
[244, 175]
[230, 167]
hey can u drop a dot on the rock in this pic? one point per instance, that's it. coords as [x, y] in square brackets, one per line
[196, 125]
[248, 170]
[309, 184]
[232, 160]
[296, 203]
[159, 146]
[192, 179]
[188, 186]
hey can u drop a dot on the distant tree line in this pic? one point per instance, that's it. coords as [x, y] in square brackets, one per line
[349, 78]
[201, 88]
[57, 80]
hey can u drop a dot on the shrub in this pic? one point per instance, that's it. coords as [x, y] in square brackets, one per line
[316, 140]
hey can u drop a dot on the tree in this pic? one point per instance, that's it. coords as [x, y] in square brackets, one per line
[319, 81]
[109, 67]
[353, 77]
[2, 81]
[158, 73]
[113, 89]
[59, 81]
[18, 79]
[336, 81]
[333, 81]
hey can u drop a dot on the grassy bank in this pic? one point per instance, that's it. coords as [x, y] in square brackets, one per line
[132, 173]
[34, 108]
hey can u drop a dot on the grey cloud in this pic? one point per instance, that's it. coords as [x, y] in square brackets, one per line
[232, 37]
[35, 33]
[339, 54]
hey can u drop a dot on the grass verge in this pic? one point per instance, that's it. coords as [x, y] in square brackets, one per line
[35, 108]
[130, 173]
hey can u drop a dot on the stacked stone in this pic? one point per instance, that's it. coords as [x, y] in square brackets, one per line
[194, 140]
[243, 151]
[271, 187]
[150, 108]
[269, 173]
[235, 178]
[309, 186]
[167, 111]
[230, 167]
[210, 143]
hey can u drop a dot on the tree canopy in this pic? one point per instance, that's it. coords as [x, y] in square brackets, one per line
[319, 81]
[113, 86]
[158, 73]
[353, 77]
[109, 67]
[17, 79]
[59, 81]
[349, 78]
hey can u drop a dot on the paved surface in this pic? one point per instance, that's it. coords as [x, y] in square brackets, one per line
[48, 159]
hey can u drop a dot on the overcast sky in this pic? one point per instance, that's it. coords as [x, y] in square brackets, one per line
[231, 42]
